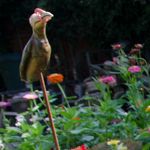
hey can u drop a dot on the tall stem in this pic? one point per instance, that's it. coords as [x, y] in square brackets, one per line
[32, 90]
[30, 102]
[64, 94]
[34, 100]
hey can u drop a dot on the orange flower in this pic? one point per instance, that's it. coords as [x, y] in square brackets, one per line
[76, 118]
[55, 78]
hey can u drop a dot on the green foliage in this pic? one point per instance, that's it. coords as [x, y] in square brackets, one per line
[23, 135]
[92, 124]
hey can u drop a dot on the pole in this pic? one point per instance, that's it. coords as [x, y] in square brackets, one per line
[49, 112]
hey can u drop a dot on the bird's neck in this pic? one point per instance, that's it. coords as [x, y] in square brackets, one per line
[40, 33]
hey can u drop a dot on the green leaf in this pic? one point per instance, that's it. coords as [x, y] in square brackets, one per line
[52, 100]
[2, 130]
[70, 113]
[25, 135]
[143, 135]
[88, 98]
[71, 97]
[35, 108]
[10, 138]
[77, 131]
[87, 138]
[14, 129]
[146, 147]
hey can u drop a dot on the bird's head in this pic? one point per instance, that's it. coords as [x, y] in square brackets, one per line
[40, 18]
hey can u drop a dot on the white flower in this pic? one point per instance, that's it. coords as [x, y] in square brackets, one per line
[20, 118]
[34, 118]
[17, 124]
[1, 145]
[122, 147]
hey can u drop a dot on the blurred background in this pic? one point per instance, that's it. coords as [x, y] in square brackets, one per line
[81, 33]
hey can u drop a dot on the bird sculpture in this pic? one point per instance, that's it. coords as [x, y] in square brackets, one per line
[36, 53]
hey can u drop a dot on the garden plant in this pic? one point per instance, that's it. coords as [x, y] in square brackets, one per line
[112, 122]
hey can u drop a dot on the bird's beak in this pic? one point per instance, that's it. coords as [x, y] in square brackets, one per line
[46, 16]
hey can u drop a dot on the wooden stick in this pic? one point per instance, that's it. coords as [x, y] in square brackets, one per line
[49, 112]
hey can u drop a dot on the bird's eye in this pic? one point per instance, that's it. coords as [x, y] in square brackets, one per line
[38, 14]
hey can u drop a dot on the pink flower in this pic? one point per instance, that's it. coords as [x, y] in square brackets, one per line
[110, 80]
[116, 46]
[4, 104]
[30, 95]
[115, 60]
[139, 46]
[134, 69]
[134, 51]
[148, 130]
[82, 147]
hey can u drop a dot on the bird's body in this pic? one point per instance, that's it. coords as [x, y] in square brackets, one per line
[37, 52]
[39, 59]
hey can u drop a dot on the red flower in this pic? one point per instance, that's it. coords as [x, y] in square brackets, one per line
[82, 147]
[116, 46]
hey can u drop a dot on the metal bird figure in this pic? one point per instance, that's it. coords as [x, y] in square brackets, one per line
[37, 52]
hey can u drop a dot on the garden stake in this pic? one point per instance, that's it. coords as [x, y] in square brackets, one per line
[49, 112]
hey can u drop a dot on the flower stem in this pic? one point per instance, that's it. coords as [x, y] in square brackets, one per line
[64, 94]
[32, 90]
[33, 101]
